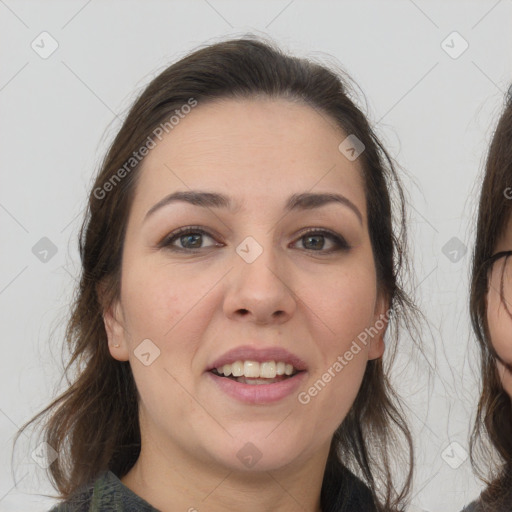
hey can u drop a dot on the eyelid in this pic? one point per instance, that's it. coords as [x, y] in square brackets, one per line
[338, 239]
[165, 243]
[340, 242]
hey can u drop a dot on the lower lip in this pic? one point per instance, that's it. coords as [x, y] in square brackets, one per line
[258, 393]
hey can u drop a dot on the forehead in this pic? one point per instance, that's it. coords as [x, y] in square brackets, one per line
[258, 149]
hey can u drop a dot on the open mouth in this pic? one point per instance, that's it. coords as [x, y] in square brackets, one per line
[254, 373]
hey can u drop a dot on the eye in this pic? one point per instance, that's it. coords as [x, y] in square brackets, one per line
[189, 237]
[314, 239]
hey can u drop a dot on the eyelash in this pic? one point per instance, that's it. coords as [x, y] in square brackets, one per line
[166, 243]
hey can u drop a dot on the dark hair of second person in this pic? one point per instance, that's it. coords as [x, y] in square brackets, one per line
[491, 316]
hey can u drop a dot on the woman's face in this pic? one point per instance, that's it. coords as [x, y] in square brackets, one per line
[246, 284]
[498, 318]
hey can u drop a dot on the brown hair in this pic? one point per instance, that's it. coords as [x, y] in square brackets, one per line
[492, 429]
[94, 424]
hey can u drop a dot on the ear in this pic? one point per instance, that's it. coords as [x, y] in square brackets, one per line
[113, 320]
[379, 327]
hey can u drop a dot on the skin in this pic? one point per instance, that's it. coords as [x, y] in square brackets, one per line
[499, 321]
[195, 306]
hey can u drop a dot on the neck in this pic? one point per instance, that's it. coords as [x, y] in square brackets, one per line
[174, 482]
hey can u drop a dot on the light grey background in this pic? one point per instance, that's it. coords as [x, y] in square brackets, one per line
[434, 112]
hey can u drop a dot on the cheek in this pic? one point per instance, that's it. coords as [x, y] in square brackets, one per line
[159, 300]
[346, 304]
[164, 306]
[505, 378]
[500, 326]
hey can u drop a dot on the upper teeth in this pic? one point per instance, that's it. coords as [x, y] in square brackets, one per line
[253, 369]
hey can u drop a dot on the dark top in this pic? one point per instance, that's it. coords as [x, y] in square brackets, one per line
[108, 494]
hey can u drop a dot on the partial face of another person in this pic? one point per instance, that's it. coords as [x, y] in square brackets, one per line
[499, 310]
[262, 275]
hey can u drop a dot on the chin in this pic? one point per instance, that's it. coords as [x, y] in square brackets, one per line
[258, 453]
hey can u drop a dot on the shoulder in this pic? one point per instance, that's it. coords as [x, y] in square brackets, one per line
[80, 501]
[106, 493]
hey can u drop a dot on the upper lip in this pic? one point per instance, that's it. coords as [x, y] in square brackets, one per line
[260, 355]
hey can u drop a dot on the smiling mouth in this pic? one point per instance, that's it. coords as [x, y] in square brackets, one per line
[254, 373]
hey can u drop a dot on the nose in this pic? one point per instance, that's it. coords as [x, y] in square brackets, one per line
[260, 291]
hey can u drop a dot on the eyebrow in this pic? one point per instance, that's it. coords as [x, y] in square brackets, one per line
[304, 201]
